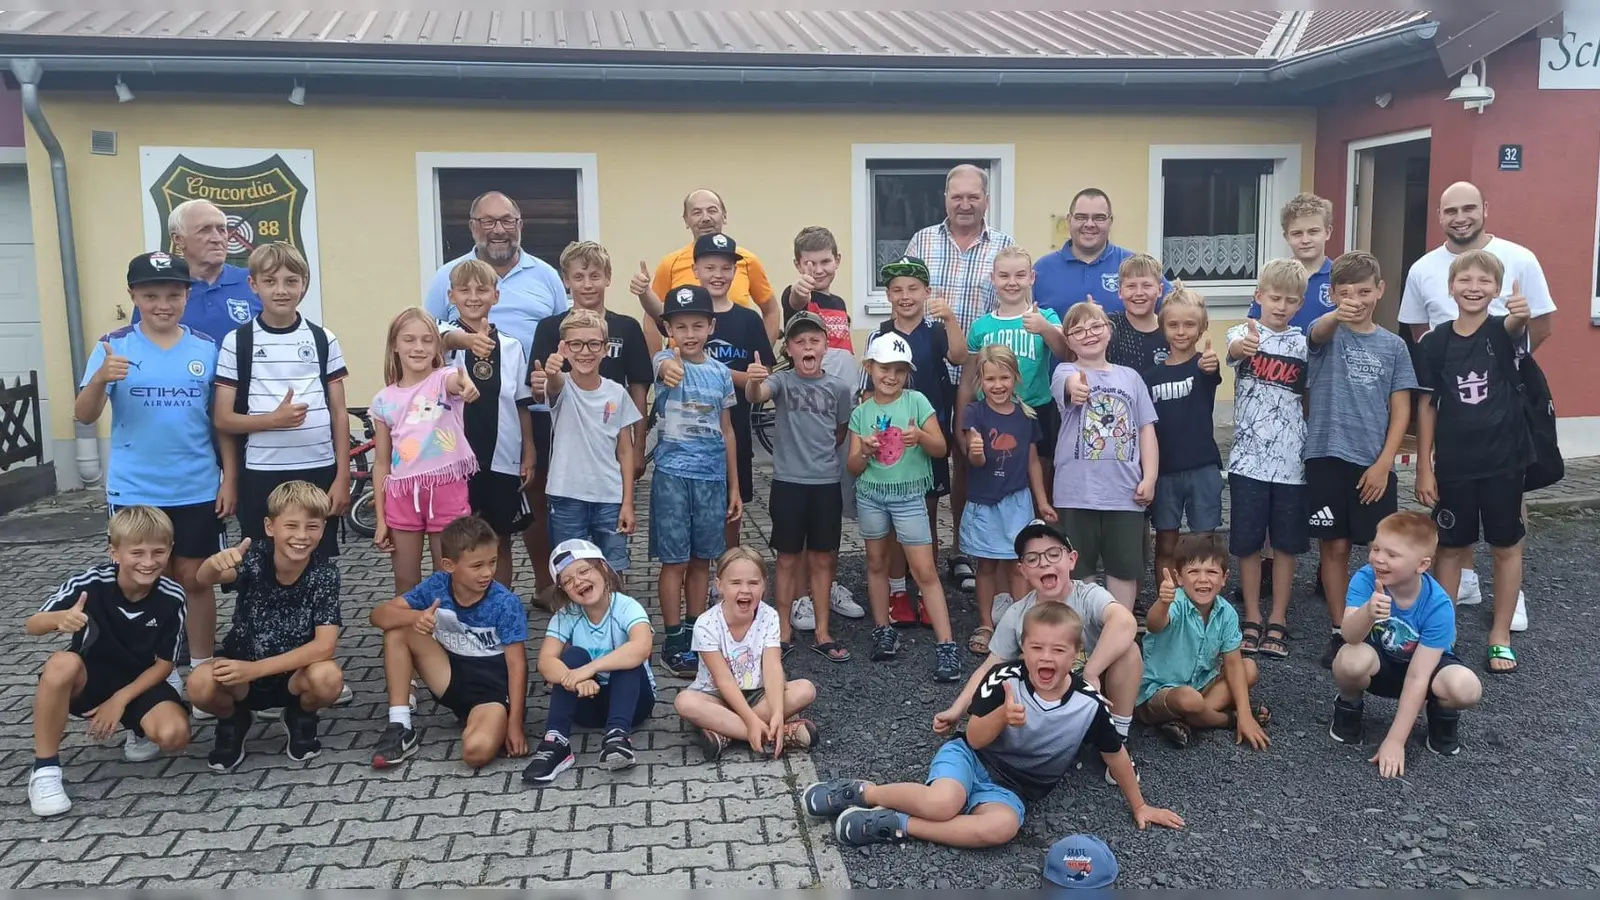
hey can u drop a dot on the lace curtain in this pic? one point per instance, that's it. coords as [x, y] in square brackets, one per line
[1213, 257]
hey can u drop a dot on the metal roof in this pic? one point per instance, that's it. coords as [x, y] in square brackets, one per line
[905, 36]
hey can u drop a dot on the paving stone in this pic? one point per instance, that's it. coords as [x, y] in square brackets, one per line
[463, 872]
[113, 845]
[12, 875]
[50, 851]
[712, 856]
[543, 865]
[172, 865]
[790, 852]
[384, 876]
[269, 860]
[280, 815]
[681, 880]
[299, 878]
[393, 829]
[287, 835]
[514, 844]
[586, 862]
[482, 823]
[433, 849]
[90, 873]
[713, 879]
[672, 834]
[240, 839]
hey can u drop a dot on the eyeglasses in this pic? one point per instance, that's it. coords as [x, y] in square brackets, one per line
[506, 222]
[1085, 218]
[586, 346]
[1036, 558]
[1089, 330]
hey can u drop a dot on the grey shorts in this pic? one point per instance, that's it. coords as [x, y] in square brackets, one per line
[1195, 494]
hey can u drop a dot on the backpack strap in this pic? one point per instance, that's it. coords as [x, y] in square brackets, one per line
[244, 338]
[320, 338]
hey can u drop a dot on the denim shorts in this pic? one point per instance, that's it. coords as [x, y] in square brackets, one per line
[958, 762]
[1192, 493]
[593, 522]
[908, 519]
[989, 530]
[687, 518]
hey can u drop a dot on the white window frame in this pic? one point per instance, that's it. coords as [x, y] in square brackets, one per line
[1277, 189]
[429, 226]
[1352, 172]
[1594, 279]
[871, 303]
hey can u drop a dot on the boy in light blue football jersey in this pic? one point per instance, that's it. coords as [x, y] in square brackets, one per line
[157, 375]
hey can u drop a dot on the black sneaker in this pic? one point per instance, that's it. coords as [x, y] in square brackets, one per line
[860, 827]
[885, 643]
[301, 727]
[616, 752]
[228, 750]
[1335, 644]
[683, 664]
[397, 745]
[827, 799]
[549, 760]
[1444, 726]
[946, 662]
[1346, 727]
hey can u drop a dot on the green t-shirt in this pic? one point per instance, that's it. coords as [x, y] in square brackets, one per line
[895, 472]
[1033, 354]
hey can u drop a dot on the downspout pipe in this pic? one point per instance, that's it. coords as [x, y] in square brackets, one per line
[28, 73]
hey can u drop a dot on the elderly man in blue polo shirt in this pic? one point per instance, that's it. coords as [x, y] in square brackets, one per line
[1086, 268]
[220, 299]
[530, 290]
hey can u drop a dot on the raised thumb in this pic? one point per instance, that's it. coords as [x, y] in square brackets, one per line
[244, 546]
[82, 599]
[435, 606]
[1207, 347]
[288, 397]
[1516, 288]
[106, 346]
[643, 269]
[1010, 697]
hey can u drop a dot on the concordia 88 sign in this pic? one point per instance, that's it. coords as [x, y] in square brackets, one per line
[264, 202]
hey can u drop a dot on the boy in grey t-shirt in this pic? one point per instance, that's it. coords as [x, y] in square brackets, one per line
[1359, 385]
[812, 409]
[1114, 665]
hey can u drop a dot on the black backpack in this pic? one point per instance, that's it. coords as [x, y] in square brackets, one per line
[1538, 406]
[244, 352]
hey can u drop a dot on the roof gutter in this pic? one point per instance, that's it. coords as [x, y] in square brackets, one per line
[28, 72]
[1358, 57]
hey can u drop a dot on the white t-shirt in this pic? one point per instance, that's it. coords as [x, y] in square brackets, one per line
[1269, 421]
[285, 360]
[583, 441]
[743, 656]
[512, 375]
[1427, 299]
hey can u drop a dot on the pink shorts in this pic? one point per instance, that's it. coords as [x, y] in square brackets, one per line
[427, 509]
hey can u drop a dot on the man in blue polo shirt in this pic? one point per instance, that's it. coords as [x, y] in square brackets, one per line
[530, 290]
[1086, 268]
[1307, 224]
[220, 299]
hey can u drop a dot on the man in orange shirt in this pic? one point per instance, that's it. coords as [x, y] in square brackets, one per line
[704, 213]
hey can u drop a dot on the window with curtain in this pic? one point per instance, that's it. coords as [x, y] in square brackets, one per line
[907, 196]
[1213, 222]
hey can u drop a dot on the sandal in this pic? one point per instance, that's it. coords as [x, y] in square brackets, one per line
[1177, 733]
[1274, 642]
[1261, 714]
[1251, 638]
[978, 643]
[1503, 653]
[833, 651]
[962, 573]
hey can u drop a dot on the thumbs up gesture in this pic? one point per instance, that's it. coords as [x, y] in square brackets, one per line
[113, 367]
[541, 377]
[671, 371]
[480, 343]
[1078, 388]
[1016, 713]
[289, 414]
[939, 309]
[640, 283]
[803, 287]
[74, 620]
[1379, 604]
[756, 373]
[229, 559]
[463, 386]
[1516, 304]
[1209, 363]
[428, 619]
[1169, 588]
[1251, 343]
[1034, 321]
[975, 447]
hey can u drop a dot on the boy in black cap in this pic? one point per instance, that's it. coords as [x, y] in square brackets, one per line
[156, 375]
[695, 491]
[739, 339]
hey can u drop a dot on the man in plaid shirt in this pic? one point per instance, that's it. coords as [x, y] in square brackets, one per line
[960, 254]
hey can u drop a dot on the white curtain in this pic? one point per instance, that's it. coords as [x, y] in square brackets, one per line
[1216, 256]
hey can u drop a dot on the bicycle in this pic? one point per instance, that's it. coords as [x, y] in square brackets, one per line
[363, 515]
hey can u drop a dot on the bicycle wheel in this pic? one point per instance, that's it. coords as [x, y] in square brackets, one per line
[763, 420]
[363, 515]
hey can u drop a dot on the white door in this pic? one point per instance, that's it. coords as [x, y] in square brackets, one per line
[21, 337]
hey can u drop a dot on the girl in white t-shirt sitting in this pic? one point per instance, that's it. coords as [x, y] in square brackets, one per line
[740, 692]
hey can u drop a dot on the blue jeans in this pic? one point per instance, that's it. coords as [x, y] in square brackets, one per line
[957, 762]
[594, 522]
[687, 518]
[624, 702]
[907, 518]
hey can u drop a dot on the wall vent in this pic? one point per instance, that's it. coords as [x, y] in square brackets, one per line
[103, 143]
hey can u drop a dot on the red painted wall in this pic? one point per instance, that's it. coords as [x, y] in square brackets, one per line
[11, 123]
[1549, 207]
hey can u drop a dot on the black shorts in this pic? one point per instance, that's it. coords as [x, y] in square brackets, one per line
[1266, 509]
[1390, 678]
[541, 445]
[941, 465]
[1495, 503]
[271, 692]
[744, 454]
[806, 517]
[498, 499]
[1049, 418]
[1337, 513]
[475, 681]
[256, 485]
[196, 531]
[102, 681]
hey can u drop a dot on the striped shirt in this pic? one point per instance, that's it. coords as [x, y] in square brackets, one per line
[123, 635]
[285, 359]
[962, 278]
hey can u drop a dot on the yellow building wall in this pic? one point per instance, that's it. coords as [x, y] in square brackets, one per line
[778, 172]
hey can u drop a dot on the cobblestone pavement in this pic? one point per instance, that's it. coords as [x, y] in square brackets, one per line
[334, 822]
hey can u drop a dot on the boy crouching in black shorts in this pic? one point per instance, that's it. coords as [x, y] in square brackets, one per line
[126, 622]
[279, 653]
[464, 633]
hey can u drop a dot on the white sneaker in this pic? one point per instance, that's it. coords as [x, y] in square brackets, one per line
[1138, 777]
[804, 616]
[139, 749]
[200, 715]
[1519, 619]
[46, 794]
[346, 696]
[176, 680]
[1470, 594]
[842, 603]
[1002, 602]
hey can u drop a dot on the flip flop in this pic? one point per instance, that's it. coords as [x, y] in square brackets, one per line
[832, 651]
[1501, 652]
[1251, 638]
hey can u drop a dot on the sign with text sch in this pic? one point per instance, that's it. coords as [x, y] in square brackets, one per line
[1572, 61]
